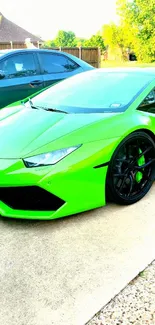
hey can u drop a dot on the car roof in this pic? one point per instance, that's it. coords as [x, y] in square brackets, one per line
[8, 51]
[129, 70]
[80, 62]
[141, 72]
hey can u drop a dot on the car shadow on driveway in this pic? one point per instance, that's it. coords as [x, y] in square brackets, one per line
[61, 222]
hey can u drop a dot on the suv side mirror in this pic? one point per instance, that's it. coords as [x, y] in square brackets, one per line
[2, 74]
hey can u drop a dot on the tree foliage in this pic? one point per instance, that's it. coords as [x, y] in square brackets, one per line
[116, 38]
[49, 44]
[68, 39]
[64, 38]
[138, 18]
[80, 41]
[95, 41]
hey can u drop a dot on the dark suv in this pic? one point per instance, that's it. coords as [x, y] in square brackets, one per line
[24, 72]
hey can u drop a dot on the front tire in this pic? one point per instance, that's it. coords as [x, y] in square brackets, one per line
[131, 170]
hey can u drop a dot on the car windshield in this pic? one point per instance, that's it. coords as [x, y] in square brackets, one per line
[94, 92]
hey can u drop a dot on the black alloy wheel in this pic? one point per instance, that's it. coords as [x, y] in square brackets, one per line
[131, 170]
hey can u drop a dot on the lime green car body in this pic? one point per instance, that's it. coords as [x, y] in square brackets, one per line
[78, 181]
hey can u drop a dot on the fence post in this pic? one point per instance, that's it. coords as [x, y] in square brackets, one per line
[80, 52]
[11, 43]
[60, 49]
[99, 57]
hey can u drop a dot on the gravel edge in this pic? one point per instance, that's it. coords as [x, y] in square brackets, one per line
[135, 304]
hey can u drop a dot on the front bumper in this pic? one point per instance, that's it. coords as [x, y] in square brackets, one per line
[71, 186]
[74, 190]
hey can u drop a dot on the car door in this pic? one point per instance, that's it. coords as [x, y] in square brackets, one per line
[56, 67]
[22, 77]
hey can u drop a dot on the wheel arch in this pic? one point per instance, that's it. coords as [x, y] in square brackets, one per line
[150, 133]
[124, 136]
[147, 131]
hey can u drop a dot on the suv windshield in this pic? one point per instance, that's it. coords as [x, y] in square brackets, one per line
[94, 92]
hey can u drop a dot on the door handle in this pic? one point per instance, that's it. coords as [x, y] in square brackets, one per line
[36, 82]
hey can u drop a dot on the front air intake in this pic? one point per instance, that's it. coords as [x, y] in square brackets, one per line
[31, 198]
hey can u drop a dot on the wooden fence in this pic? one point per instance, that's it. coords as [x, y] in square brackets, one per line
[14, 45]
[89, 54]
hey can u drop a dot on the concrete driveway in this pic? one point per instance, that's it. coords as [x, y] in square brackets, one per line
[62, 272]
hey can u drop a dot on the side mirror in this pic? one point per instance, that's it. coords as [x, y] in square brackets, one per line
[2, 74]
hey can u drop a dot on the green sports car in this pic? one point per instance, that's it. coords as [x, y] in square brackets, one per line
[73, 146]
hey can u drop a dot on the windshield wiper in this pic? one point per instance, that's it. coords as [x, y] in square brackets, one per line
[30, 103]
[44, 108]
[52, 110]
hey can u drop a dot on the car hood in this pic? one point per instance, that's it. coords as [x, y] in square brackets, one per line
[24, 132]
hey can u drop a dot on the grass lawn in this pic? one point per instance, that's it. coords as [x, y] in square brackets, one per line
[113, 64]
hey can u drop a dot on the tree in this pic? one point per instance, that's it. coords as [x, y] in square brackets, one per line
[64, 38]
[80, 41]
[69, 39]
[116, 38]
[95, 41]
[110, 35]
[138, 17]
[49, 43]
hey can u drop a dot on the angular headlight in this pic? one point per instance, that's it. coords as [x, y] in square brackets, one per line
[50, 158]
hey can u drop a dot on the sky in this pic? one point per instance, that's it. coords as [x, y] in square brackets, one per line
[46, 17]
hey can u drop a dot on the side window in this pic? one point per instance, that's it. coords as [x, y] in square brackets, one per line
[148, 104]
[55, 63]
[21, 65]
